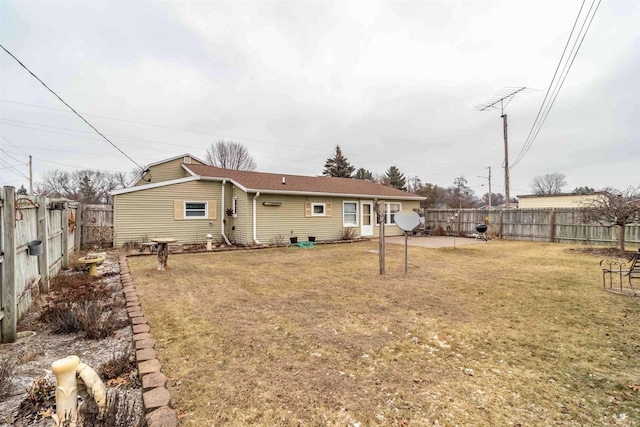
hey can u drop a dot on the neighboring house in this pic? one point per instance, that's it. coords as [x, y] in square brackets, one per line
[555, 200]
[187, 200]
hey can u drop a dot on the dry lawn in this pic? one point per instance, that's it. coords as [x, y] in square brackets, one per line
[503, 333]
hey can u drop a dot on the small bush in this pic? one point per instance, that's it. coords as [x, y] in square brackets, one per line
[61, 318]
[277, 240]
[348, 233]
[40, 397]
[84, 317]
[118, 366]
[492, 234]
[439, 231]
[131, 244]
[90, 320]
[7, 368]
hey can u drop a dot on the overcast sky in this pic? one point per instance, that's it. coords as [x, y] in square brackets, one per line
[391, 82]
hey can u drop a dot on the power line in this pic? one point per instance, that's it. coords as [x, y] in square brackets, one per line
[12, 167]
[216, 135]
[71, 108]
[76, 166]
[11, 144]
[9, 154]
[537, 125]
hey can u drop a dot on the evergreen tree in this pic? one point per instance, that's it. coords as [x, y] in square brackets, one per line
[396, 178]
[22, 191]
[583, 190]
[338, 165]
[363, 174]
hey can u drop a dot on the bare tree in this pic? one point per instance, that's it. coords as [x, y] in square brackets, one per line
[550, 183]
[230, 155]
[85, 186]
[614, 207]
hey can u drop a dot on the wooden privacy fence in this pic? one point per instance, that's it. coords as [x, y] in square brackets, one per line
[23, 223]
[96, 222]
[558, 225]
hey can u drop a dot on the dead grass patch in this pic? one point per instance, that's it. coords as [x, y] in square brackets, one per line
[493, 334]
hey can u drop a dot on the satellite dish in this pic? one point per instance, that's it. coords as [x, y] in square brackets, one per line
[407, 220]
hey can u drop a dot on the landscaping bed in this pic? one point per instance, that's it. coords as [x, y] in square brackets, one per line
[83, 316]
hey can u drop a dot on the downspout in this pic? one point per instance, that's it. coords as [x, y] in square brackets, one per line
[224, 236]
[255, 227]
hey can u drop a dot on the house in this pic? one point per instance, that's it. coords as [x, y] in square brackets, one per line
[564, 200]
[186, 199]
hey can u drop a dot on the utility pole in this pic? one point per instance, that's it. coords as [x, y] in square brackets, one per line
[30, 177]
[503, 98]
[507, 203]
[489, 187]
[489, 178]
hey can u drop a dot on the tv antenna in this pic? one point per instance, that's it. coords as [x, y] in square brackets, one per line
[500, 102]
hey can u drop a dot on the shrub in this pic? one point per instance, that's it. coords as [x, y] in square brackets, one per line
[348, 233]
[277, 240]
[40, 397]
[439, 231]
[117, 366]
[84, 317]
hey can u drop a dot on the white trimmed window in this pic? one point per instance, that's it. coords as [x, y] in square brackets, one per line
[318, 209]
[392, 208]
[390, 213]
[234, 206]
[195, 210]
[349, 214]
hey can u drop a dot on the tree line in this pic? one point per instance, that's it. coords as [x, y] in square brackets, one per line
[458, 195]
[615, 208]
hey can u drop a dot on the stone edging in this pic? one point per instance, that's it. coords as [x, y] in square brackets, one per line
[155, 396]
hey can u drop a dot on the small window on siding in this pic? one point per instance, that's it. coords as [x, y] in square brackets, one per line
[235, 206]
[349, 214]
[187, 159]
[318, 209]
[195, 210]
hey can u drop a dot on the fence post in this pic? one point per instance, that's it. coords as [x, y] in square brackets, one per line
[77, 230]
[43, 260]
[65, 235]
[552, 225]
[9, 306]
[501, 220]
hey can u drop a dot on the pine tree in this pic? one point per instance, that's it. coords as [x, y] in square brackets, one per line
[396, 179]
[338, 165]
[363, 174]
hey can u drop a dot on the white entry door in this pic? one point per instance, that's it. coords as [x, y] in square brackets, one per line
[366, 223]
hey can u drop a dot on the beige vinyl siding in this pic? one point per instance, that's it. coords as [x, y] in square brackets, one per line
[288, 220]
[151, 213]
[291, 220]
[243, 234]
[564, 201]
[168, 171]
